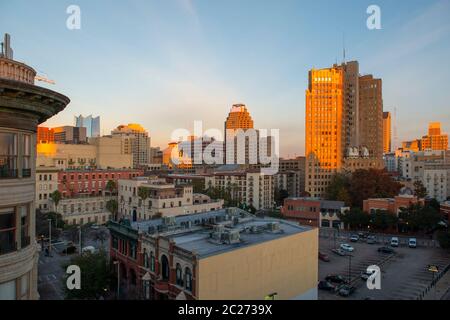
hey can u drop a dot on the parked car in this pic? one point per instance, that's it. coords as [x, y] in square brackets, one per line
[324, 257]
[365, 275]
[95, 226]
[88, 249]
[336, 278]
[326, 285]
[362, 235]
[412, 243]
[339, 252]
[347, 247]
[394, 242]
[386, 250]
[354, 238]
[371, 240]
[346, 290]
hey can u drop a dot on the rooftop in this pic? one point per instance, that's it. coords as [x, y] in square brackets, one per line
[215, 232]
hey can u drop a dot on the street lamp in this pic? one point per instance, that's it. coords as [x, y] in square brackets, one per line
[118, 278]
[350, 268]
[79, 240]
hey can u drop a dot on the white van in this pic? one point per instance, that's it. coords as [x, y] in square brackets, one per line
[89, 249]
[394, 242]
[412, 243]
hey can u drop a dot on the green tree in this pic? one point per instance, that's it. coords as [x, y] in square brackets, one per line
[280, 195]
[419, 189]
[42, 224]
[96, 276]
[343, 195]
[111, 187]
[198, 185]
[112, 206]
[338, 182]
[354, 218]
[420, 218]
[143, 194]
[55, 196]
[382, 220]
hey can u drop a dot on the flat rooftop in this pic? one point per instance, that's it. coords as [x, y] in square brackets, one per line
[193, 232]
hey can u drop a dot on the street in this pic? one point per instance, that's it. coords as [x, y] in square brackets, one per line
[50, 270]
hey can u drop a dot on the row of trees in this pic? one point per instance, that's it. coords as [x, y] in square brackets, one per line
[415, 218]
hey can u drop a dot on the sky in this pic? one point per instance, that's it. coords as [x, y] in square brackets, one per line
[167, 63]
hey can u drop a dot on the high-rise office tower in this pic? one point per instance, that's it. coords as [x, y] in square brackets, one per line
[344, 124]
[371, 115]
[23, 106]
[239, 119]
[435, 140]
[136, 141]
[92, 125]
[324, 128]
[387, 132]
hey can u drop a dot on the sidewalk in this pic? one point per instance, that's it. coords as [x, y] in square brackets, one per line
[442, 287]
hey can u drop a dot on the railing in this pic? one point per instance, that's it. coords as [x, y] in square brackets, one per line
[7, 247]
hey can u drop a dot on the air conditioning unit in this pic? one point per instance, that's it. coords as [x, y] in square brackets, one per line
[273, 226]
[231, 237]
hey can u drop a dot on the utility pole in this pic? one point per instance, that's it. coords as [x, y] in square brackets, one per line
[349, 268]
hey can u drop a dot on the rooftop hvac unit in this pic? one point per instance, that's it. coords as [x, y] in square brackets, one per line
[231, 237]
[169, 221]
[219, 228]
[273, 226]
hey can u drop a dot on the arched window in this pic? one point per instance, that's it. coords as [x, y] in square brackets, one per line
[152, 262]
[164, 267]
[179, 275]
[145, 258]
[188, 277]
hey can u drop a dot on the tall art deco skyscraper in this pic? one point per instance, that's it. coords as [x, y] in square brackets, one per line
[344, 124]
[23, 106]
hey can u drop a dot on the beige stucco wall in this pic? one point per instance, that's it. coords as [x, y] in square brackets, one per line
[287, 266]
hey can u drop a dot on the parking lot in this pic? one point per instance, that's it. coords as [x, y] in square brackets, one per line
[404, 275]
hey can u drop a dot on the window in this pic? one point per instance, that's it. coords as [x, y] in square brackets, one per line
[24, 223]
[8, 290]
[188, 276]
[115, 243]
[145, 257]
[179, 274]
[7, 230]
[152, 262]
[8, 155]
[133, 250]
[164, 268]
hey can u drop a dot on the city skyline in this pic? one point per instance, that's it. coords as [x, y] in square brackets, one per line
[180, 59]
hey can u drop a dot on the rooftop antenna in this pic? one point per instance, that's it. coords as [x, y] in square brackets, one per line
[395, 146]
[343, 46]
